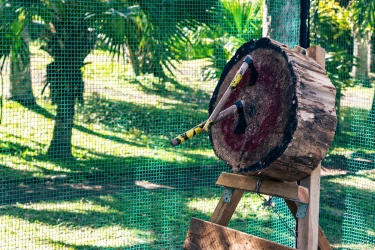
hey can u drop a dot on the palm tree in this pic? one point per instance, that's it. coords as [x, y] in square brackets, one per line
[241, 21]
[68, 42]
[148, 31]
[139, 29]
[362, 15]
[145, 30]
[14, 34]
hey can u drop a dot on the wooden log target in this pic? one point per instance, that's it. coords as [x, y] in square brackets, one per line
[289, 111]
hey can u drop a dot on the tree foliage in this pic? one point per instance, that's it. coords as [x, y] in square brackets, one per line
[149, 32]
[240, 21]
[362, 14]
[331, 29]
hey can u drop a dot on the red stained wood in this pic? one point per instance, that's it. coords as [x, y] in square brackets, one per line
[294, 121]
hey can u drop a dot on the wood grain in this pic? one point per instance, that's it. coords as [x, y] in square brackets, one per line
[308, 228]
[210, 236]
[278, 145]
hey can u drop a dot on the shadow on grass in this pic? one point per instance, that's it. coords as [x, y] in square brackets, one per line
[44, 112]
[355, 162]
[353, 148]
[182, 92]
[346, 210]
[100, 174]
[93, 247]
[110, 182]
[164, 120]
[142, 120]
[164, 213]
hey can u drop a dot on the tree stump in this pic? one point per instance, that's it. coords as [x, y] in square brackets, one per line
[290, 113]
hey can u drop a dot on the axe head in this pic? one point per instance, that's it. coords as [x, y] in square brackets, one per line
[241, 122]
[249, 110]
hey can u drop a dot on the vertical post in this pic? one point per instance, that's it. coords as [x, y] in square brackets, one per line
[308, 228]
[304, 29]
[318, 54]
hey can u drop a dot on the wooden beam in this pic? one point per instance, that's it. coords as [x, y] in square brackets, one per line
[207, 235]
[224, 211]
[308, 228]
[318, 54]
[290, 191]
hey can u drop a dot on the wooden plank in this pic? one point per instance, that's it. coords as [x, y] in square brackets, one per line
[207, 235]
[308, 228]
[317, 53]
[224, 211]
[284, 190]
[323, 243]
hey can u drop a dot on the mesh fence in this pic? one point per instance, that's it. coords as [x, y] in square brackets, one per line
[93, 91]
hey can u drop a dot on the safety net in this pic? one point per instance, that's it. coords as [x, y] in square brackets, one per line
[93, 91]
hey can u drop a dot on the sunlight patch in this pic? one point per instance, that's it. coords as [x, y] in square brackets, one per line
[150, 185]
[355, 182]
[13, 235]
[76, 206]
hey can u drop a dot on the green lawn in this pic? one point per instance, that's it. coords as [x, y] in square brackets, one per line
[129, 189]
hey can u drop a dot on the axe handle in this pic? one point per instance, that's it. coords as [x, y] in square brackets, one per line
[233, 85]
[198, 129]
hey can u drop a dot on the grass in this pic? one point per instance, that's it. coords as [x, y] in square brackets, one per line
[129, 189]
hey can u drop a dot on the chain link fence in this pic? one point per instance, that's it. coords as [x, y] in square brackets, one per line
[93, 91]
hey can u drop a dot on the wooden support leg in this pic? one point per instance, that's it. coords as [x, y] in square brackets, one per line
[323, 243]
[308, 228]
[224, 211]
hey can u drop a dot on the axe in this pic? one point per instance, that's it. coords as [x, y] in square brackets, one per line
[241, 125]
[247, 63]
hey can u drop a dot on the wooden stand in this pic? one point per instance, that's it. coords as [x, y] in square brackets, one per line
[215, 234]
[302, 200]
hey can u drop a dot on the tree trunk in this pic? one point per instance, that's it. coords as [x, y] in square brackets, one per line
[66, 87]
[20, 74]
[362, 50]
[61, 144]
[281, 21]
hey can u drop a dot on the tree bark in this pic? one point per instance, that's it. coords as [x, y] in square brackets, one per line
[20, 74]
[61, 143]
[281, 21]
[66, 87]
[362, 50]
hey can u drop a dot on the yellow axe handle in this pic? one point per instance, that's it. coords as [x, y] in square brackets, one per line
[198, 129]
[233, 85]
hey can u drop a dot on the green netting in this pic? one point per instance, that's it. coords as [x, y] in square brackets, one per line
[93, 91]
